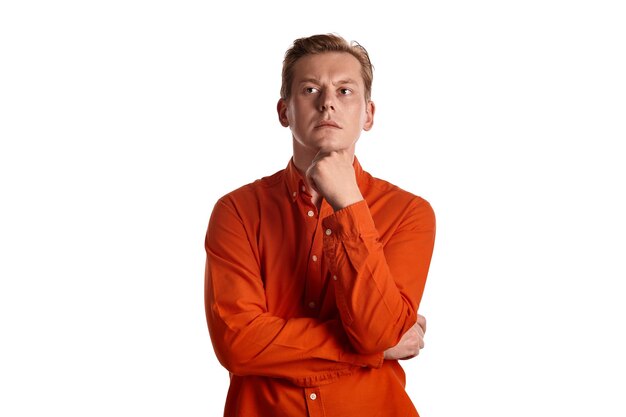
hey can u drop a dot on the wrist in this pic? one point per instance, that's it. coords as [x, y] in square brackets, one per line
[345, 202]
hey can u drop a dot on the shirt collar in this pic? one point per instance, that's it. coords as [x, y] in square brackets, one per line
[296, 184]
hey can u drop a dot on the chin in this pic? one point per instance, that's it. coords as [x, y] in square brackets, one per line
[326, 143]
[332, 144]
[329, 147]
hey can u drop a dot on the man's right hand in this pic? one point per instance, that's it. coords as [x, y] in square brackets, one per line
[411, 342]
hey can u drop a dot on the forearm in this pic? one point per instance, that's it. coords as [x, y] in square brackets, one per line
[374, 313]
[304, 351]
[378, 289]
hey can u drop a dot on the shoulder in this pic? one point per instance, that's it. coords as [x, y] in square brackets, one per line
[250, 194]
[392, 206]
[384, 192]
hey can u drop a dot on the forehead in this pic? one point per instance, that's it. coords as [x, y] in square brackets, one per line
[331, 66]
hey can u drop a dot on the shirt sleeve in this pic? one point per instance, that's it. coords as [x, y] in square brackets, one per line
[379, 286]
[247, 339]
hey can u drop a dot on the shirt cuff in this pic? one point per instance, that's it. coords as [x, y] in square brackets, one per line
[374, 360]
[350, 222]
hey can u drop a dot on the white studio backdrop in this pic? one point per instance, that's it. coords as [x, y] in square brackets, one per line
[122, 122]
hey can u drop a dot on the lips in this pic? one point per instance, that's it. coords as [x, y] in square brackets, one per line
[327, 123]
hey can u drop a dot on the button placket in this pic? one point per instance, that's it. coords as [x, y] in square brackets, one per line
[315, 274]
[314, 402]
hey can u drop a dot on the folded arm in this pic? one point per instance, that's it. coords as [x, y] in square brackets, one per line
[247, 339]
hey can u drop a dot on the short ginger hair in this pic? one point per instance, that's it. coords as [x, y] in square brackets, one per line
[318, 44]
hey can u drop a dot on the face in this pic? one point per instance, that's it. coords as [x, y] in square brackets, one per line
[327, 108]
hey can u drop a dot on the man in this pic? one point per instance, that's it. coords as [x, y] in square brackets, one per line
[314, 274]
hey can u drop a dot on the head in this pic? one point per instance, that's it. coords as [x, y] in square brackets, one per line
[325, 95]
[318, 44]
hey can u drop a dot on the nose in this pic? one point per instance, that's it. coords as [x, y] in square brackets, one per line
[326, 101]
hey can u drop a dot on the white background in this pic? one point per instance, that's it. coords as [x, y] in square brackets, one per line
[122, 122]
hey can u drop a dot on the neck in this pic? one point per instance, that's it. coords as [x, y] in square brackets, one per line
[302, 161]
[302, 158]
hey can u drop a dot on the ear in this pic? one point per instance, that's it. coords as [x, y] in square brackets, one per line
[281, 108]
[370, 108]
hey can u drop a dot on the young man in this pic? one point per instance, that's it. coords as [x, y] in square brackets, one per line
[314, 275]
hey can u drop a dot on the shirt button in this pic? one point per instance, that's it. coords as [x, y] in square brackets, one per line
[314, 258]
[310, 213]
[303, 188]
[334, 277]
[312, 304]
[328, 232]
[295, 194]
[313, 396]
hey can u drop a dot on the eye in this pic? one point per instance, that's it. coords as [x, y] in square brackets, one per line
[311, 90]
[345, 91]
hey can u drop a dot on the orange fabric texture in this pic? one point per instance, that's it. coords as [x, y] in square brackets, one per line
[301, 303]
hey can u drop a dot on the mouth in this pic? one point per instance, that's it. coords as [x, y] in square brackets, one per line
[327, 123]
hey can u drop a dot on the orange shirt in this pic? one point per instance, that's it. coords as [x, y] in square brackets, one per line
[301, 303]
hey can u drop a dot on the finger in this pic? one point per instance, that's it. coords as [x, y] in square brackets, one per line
[418, 329]
[308, 177]
[321, 154]
[421, 320]
[311, 184]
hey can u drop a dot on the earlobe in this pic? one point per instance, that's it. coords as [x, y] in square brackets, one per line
[281, 108]
[369, 115]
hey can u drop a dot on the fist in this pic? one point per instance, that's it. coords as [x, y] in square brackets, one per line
[331, 175]
[411, 342]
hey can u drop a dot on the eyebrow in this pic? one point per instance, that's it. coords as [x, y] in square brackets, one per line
[346, 81]
[317, 81]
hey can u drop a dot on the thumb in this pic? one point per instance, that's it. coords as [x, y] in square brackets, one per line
[308, 177]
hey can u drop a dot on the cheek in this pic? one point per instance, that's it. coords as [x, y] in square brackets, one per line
[361, 114]
[297, 112]
[292, 116]
[297, 120]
